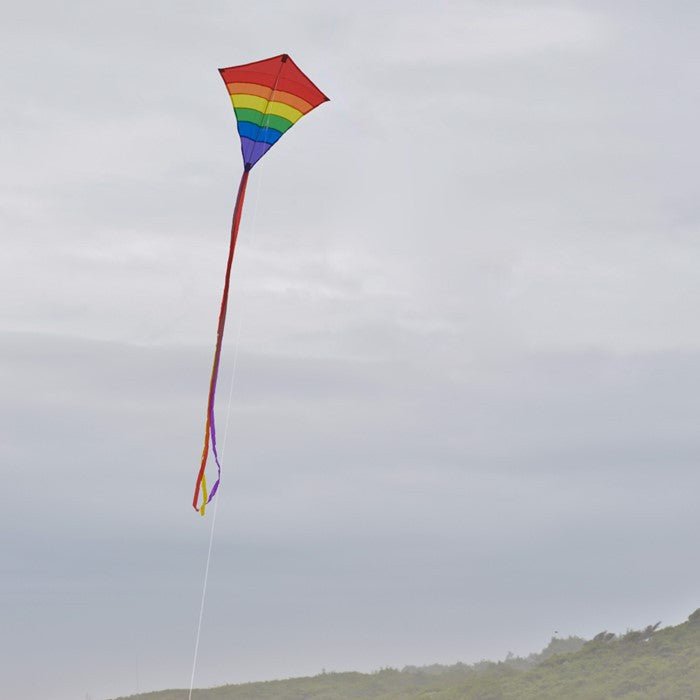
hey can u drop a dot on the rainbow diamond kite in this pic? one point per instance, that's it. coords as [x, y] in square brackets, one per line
[269, 97]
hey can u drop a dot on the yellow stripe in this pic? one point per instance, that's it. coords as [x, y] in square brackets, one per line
[249, 102]
[262, 105]
[205, 496]
[283, 110]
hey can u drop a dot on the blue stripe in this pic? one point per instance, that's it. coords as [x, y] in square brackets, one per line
[257, 133]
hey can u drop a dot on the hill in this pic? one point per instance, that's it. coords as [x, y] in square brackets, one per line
[649, 664]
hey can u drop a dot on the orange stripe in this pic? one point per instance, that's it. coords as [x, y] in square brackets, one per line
[261, 91]
[249, 89]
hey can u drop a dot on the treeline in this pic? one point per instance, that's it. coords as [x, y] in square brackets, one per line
[647, 664]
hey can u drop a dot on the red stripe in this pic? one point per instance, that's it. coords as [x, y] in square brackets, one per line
[291, 78]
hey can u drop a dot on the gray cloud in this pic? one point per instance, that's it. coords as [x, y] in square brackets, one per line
[467, 374]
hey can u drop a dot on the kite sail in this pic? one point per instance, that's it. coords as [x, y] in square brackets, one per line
[268, 97]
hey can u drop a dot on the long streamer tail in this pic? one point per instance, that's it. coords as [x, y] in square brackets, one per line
[210, 424]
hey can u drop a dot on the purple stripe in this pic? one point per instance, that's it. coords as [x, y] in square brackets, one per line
[212, 433]
[253, 151]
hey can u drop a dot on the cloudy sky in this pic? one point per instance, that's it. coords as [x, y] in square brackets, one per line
[466, 295]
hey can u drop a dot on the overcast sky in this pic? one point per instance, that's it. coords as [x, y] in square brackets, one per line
[466, 400]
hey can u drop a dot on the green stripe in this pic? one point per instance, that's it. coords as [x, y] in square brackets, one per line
[255, 117]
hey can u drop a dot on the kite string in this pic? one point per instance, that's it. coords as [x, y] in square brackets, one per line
[223, 454]
[265, 121]
[204, 594]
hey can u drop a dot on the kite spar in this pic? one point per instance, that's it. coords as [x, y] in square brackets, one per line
[268, 97]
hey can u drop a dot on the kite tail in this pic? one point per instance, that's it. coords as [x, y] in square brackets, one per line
[210, 424]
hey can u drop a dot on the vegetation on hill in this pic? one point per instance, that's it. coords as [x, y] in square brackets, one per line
[648, 664]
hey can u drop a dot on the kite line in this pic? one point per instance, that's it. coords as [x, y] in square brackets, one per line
[268, 98]
[223, 454]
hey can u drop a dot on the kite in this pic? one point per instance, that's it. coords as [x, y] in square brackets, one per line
[268, 97]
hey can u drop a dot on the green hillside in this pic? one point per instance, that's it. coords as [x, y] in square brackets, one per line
[658, 664]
